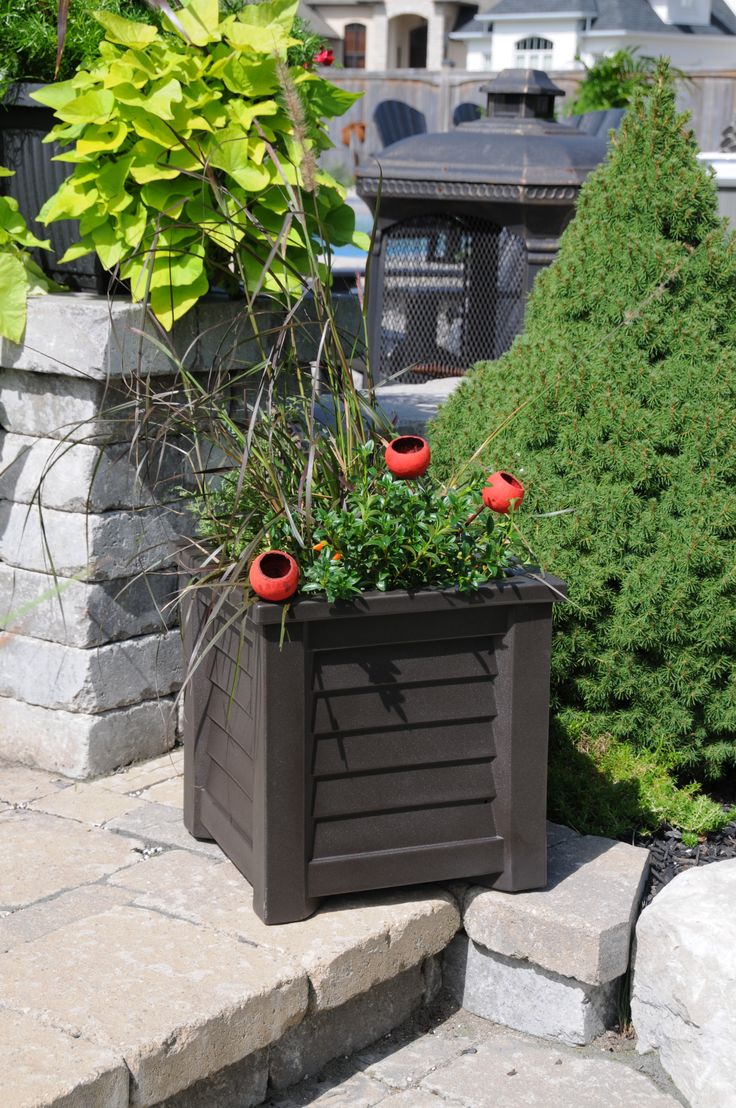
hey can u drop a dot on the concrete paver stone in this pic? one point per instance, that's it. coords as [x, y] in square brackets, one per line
[160, 823]
[49, 915]
[87, 803]
[178, 1002]
[406, 1066]
[41, 1066]
[509, 1072]
[41, 855]
[170, 792]
[578, 926]
[138, 777]
[20, 784]
[344, 951]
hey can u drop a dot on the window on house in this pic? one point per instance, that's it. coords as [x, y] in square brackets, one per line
[533, 53]
[353, 55]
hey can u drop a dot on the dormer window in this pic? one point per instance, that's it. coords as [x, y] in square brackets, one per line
[533, 53]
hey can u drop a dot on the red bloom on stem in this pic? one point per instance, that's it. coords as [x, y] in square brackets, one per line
[325, 57]
[274, 575]
[503, 491]
[408, 456]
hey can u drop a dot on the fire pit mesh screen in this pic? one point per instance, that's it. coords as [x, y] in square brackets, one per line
[450, 293]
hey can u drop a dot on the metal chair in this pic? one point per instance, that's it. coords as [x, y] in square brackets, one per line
[396, 120]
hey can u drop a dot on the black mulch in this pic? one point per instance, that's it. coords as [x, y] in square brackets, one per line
[669, 855]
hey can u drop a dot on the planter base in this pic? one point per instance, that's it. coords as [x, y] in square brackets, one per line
[396, 740]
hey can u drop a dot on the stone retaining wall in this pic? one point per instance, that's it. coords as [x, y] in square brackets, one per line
[90, 657]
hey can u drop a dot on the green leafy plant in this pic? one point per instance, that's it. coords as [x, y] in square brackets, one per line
[20, 277]
[189, 144]
[626, 380]
[612, 80]
[377, 533]
[29, 36]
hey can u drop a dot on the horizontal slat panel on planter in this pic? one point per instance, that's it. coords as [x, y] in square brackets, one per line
[391, 749]
[354, 872]
[366, 708]
[420, 827]
[231, 758]
[225, 711]
[230, 797]
[413, 627]
[344, 669]
[415, 788]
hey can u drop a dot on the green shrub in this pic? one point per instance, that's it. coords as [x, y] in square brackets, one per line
[603, 787]
[627, 369]
[611, 82]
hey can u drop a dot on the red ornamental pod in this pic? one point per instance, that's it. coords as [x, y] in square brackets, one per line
[274, 575]
[500, 490]
[408, 456]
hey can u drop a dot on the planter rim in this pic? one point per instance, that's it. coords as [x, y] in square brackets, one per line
[19, 96]
[518, 587]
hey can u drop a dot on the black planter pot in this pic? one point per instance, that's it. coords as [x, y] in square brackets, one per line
[398, 739]
[24, 123]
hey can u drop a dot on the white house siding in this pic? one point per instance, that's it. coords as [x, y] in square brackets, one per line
[694, 53]
[384, 36]
[498, 50]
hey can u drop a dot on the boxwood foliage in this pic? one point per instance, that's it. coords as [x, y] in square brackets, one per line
[626, 370]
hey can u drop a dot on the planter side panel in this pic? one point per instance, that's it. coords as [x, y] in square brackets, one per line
[400, 729]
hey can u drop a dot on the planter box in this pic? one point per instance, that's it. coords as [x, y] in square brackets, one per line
[398, 739]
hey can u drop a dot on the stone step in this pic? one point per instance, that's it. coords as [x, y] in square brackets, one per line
[121, 933]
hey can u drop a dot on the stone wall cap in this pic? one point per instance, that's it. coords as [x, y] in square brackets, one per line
[580, 924]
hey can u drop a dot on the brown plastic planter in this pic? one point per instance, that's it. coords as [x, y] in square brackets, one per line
[398, 739]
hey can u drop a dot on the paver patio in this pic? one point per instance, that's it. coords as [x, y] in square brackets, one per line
[133, 970]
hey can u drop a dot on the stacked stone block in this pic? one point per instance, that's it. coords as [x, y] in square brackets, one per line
[90, 655]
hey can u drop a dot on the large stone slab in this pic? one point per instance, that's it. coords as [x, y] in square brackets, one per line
[347, 948]
[140, 776]
[177, 1002]
[684, 988]
[82, 744]
[79, 477]
[508, 1072]
[411, 407]
[160, 823]
[41, 1067]
[524, 996]
[90, 547]
[81, 614]
[93, 337]
[41, 855]
[60, 407]
[580, 925]
[96, 679]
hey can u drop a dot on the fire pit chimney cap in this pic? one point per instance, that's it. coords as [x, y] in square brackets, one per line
[522, 93]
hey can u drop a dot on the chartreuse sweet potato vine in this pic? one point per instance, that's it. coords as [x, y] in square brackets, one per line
[20, 277]
[194, 152]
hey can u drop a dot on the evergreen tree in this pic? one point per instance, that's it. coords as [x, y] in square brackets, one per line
[626, 370]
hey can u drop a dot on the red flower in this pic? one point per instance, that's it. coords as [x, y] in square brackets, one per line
[325, 57]
[408, 456]
[274, 575]
[503, 491]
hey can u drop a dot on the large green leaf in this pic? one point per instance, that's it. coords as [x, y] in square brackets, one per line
[13, 292]
[127, 32]
[201, 21]
[95, 106]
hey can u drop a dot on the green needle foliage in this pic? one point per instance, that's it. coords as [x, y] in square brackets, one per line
[29, 36]
[627, 370]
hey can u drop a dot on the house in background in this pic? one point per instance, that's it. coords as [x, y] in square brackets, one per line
[566, 34]
[391, 34]
[557, 35]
